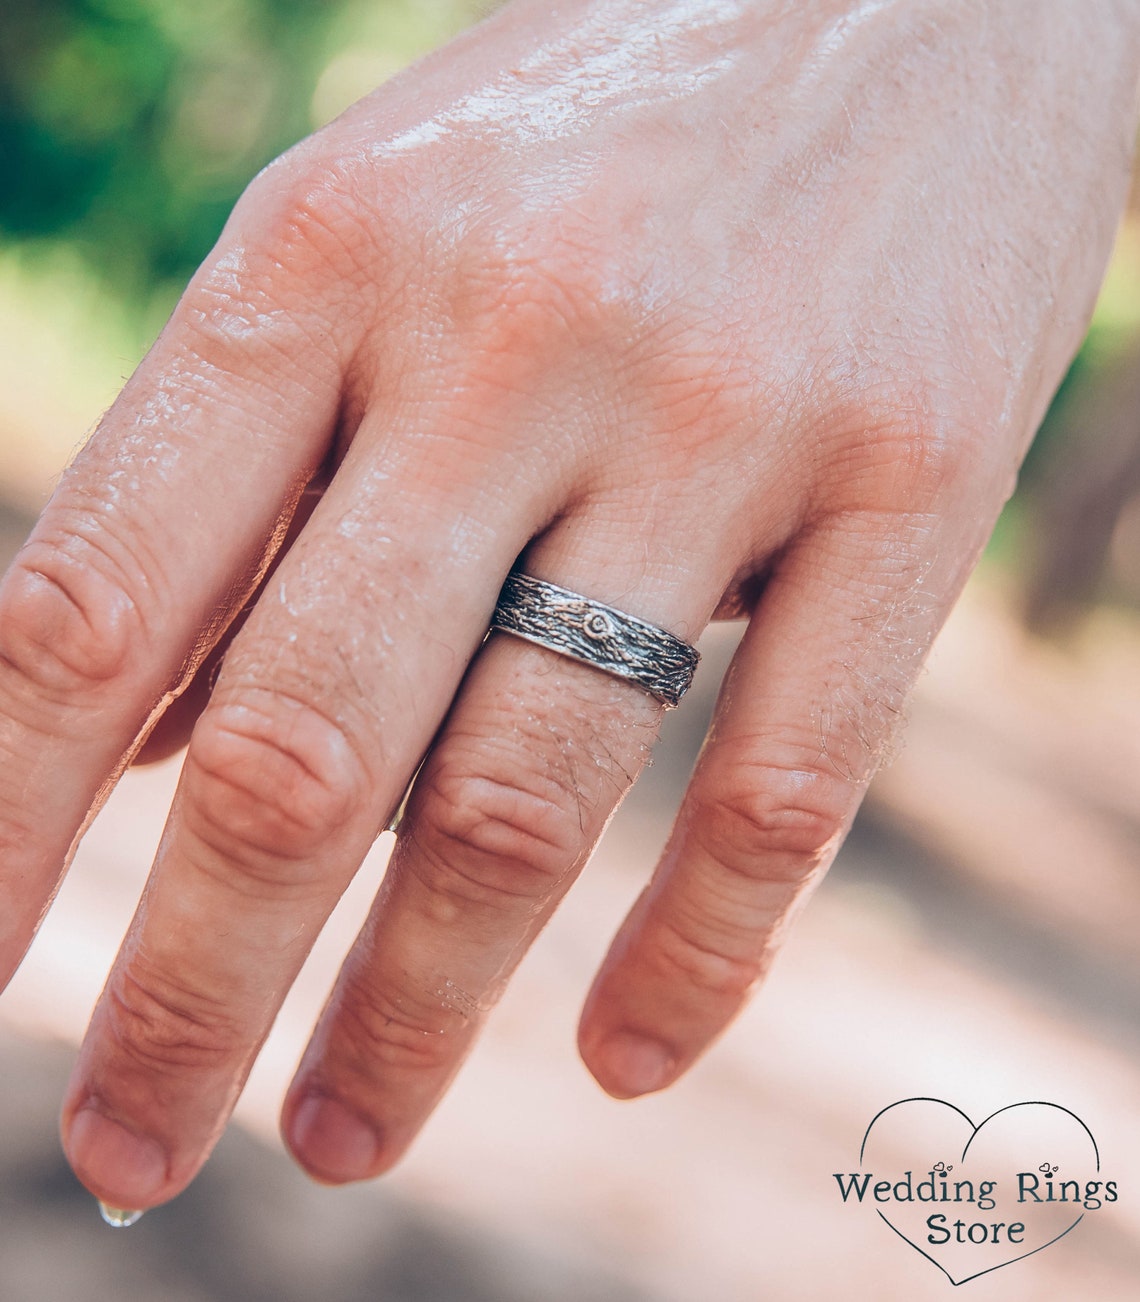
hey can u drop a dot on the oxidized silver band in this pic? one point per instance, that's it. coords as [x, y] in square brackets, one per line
[596, 634]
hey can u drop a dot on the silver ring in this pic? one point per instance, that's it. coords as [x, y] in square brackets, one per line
[597, 635]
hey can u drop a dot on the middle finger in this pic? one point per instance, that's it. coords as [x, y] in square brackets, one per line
[327, 699]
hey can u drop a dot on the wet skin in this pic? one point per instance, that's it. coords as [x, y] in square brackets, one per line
[668, 298]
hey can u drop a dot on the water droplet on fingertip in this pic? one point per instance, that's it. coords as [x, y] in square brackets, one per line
[119, 1217]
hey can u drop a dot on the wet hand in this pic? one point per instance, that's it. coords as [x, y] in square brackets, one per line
[703, 308]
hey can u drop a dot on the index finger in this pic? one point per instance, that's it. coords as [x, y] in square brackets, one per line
[148, 546]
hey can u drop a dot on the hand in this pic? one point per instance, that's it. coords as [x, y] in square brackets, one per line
[704, 309]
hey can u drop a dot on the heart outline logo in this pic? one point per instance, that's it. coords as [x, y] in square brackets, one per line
[975, 1131]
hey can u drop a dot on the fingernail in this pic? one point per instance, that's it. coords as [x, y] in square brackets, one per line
[109, 1156]
[632, 1064]
[332, 1141]
[119, 1217]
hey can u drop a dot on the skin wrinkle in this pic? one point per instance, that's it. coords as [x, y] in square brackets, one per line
[221, 341]
[267, 703]
[532, 853]
[326, 211]
[407, 1026]
[575, 735]
[326, 238]
[300, 675]
[91, 527]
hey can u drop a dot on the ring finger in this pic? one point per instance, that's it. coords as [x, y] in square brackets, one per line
[535, 756]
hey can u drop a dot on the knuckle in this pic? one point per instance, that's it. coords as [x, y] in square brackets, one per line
[704, 966]
[389, 1032]
[531, 290]
[303, 201]
[311, 206]
[291, 283]
[493, 835]
[162, 1026]
[71, 615]
[766, 821]
[525, 291]
[552, 277]
[938, 454]
[270, 782]
[908, 449]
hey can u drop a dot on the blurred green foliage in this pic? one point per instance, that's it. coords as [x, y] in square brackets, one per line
[128, 128]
